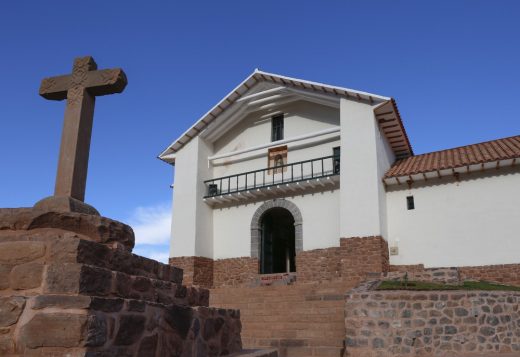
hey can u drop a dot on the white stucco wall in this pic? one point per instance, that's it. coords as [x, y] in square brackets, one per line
[385, 159]
[192, 219]
[201, 230]
[474, 222]
[364, 159]
[320, 213]
[255, 129]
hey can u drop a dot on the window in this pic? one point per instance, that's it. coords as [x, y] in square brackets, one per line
[277, 128]
[336, 153]
[410, 204]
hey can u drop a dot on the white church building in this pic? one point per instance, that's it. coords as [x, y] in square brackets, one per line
[283, 172]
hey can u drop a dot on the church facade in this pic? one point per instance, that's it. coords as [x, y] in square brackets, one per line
[286, 176]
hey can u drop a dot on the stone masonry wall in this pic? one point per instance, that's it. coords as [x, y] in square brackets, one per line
[354, 260]
[436, 323]
[61, 294]
[408, 268]
[319, 264]
[208, 273]
[364, 256]
[92, 326]
[197, 270]
[145, 329]
[235, 271]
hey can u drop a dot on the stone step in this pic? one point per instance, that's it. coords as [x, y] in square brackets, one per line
[307, 351]
[298, 320]
[313, 351]
[257, 353]
[277, 342]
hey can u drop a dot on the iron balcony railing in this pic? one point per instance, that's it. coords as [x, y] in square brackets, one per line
[272, 176]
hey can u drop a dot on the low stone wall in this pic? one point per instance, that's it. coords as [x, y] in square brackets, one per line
[508, 274]
[435, 275]
[438, 323]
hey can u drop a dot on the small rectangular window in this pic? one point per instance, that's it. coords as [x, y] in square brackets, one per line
[277, 128]
[410, 204]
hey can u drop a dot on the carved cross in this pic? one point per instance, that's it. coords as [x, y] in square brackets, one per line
[80, 89]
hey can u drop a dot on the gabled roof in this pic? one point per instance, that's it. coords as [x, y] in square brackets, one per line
[387, 114]
[464, 156]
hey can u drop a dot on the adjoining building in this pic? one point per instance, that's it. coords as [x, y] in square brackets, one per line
[283, 173]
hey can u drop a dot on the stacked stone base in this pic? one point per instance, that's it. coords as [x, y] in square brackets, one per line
[75, 289]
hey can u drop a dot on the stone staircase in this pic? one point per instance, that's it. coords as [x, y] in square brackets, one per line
[299, 319]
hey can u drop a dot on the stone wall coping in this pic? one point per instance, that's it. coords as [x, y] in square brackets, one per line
[367, 290]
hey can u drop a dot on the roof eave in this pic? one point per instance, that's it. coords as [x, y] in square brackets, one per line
[230, 98]
[425, 175]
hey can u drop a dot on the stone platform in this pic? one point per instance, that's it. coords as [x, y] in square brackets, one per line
[69, 285]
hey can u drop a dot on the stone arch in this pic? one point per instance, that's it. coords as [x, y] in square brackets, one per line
[256, 233]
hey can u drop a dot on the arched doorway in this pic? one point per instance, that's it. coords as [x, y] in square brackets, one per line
[277, 248]
[256, 226]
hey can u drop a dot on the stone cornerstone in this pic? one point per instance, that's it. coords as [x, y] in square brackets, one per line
[69, 285]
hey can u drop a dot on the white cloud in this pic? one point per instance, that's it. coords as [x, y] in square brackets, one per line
[155, 252]
[160, 256]
[151, 224]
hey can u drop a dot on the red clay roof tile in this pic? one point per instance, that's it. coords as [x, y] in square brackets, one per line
[500, 149]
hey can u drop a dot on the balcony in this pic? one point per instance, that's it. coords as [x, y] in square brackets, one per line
[294, 178]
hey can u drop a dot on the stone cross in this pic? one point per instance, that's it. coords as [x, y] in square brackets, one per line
[80, 89]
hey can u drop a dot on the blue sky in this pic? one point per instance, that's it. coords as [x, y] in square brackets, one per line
[453, 67]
